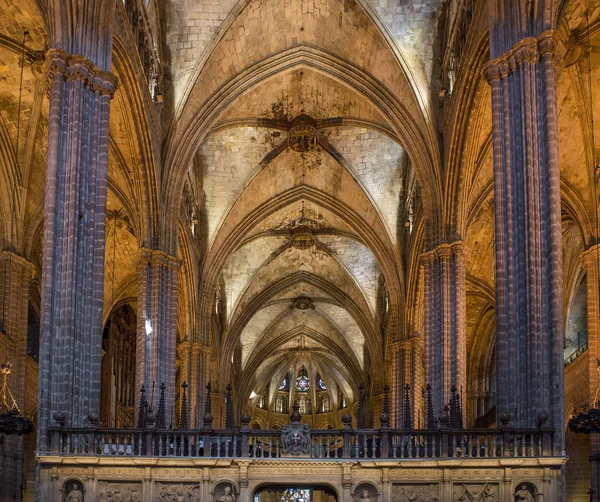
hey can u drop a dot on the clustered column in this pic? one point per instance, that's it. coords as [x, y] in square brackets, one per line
[445, 321]
[157, 326]
[590, 260]
[529, 320]
[15, 277]
[194, 370]
[74, 241]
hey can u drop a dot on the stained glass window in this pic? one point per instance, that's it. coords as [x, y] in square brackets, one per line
[283, 385]
[296, 495]
[302, 384]
[322, 384]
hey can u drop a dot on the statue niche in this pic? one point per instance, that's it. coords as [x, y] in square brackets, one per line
[224, 492]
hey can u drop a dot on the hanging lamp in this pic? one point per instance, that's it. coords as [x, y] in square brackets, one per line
[12, 420]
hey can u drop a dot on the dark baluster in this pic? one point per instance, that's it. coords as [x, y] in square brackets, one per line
[429, 417]
[244, 449]
[207, 420]
[184, 419]
[228, 408]
[161, 415]
[141, 422]
[347, 433]
[385, 424]
[362, 394]
[407, 414]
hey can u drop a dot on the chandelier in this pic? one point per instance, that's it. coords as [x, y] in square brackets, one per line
[12, 421]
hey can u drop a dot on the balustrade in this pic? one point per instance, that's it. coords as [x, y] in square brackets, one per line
[367, 444]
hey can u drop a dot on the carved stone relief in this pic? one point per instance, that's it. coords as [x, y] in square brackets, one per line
[476, 493]
[415, 493]
[119, 492]
[177, 492]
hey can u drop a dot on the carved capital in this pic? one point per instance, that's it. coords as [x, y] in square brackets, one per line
[550, 43]
[445, 251]
[156, 257]
[74, 67]
[590, 257]
[529, 50]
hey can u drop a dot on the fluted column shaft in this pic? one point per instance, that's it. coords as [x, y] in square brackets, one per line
[445, 321]
[157, 325]
[15, 277]
[529, 329]
[74, 240]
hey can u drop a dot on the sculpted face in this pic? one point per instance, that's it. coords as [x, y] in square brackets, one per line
[365, 494]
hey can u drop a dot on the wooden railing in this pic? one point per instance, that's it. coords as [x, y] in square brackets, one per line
[347, 443]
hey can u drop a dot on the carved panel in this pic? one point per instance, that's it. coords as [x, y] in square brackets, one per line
[416, 493]
[476, 493]
[177, 492]
[119, 492]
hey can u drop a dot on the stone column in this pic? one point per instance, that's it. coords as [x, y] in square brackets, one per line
[529, 319]
[74, 239]
[445, 321]
[416, 381]
[157, 325]
[590, 261]
[15, 276]
[195, 359]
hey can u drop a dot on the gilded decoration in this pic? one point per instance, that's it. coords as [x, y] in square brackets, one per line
[303, 134]
[303, 237]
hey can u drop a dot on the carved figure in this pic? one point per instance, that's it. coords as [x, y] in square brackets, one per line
[523, 495]
[228, 495]
[364, 496]
[75, 495]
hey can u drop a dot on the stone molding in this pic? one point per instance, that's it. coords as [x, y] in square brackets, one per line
[529, 50]
[157, 257]
[457, 248]
[194, 348]
[590, 256]
[77, 67]
[17, 261]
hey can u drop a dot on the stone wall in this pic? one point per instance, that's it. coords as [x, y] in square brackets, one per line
[204, 480]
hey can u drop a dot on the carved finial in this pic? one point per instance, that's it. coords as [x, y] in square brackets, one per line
[295, 415]
[385, 415]
[228, 408]
[142, 408]
[208, 418]
[161, 416]
[407, 415]
[184, 420]
[430, 417]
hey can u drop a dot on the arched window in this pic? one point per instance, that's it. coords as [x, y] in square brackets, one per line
[322, 384]
[302, 384]
[284, 383]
